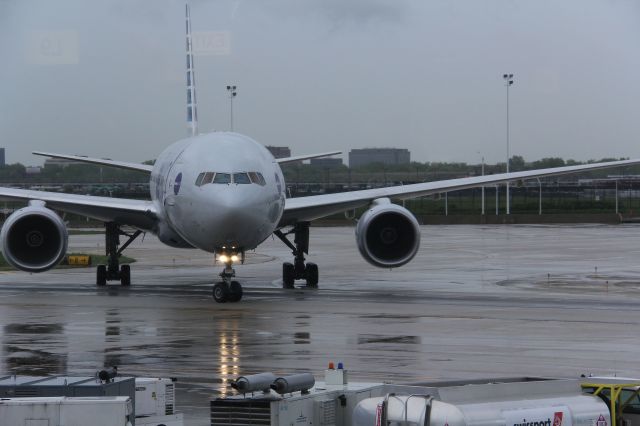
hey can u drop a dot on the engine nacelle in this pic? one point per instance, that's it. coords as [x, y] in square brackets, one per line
[34, 238]
[388, 235]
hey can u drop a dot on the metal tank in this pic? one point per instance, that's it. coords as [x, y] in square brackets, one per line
[553, 410]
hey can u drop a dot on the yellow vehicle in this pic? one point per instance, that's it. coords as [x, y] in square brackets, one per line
[620, 394]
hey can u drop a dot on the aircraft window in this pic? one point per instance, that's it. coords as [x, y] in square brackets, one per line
[253, 176]
[261, 180]
[222, 178]
[257, 178]
[208, 177]
[241, 178]
[199, 179]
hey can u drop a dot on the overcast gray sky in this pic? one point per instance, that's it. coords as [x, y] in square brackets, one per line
[106, 78]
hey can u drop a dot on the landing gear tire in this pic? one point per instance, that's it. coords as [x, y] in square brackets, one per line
[221, 292]
[125, 275]
[311, 275]
[288, 275]
[101, 275]
[235, 292]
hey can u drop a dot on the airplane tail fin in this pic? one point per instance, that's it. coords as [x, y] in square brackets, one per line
[192, 105]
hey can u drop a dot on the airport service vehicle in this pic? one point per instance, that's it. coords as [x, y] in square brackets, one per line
[66, 411]
[498, 402]
[224, 193]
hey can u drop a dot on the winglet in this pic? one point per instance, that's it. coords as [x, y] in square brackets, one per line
[192, 105]
[306, 157]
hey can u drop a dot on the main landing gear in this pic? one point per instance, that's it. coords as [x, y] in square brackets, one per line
[299, 270]
[228, 290]
[113, 271]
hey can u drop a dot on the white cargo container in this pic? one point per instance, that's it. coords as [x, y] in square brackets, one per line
[66, 411]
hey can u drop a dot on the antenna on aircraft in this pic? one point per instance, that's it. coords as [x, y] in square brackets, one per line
[192, 105]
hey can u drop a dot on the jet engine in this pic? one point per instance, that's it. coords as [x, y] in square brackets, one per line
[388, 235]
[34, 238]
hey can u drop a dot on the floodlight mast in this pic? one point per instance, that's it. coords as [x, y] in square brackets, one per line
[508, 81]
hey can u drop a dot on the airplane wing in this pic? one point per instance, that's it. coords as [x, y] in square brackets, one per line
[306, 157]
[110, 163]
[317, 206]
[137, 213]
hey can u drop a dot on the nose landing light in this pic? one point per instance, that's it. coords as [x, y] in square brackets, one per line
[223, 258]
[229, 256]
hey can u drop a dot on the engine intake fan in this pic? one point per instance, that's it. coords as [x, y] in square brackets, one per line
[388, 235]
[34, 238]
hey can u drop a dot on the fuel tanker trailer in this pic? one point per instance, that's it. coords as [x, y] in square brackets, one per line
[555, 403]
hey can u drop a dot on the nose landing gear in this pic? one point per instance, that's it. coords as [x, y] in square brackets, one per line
[228, 290]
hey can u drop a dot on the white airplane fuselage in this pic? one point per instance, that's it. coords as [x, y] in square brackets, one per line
[217, 191]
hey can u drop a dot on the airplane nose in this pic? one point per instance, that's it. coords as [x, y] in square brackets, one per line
[232, 217]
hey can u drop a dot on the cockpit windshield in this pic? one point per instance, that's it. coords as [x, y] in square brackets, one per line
[208, 177]
[257, 178]
[222, 178]
[239, 178]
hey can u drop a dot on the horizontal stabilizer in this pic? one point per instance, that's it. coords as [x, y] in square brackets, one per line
[306, 157]
[110, 163]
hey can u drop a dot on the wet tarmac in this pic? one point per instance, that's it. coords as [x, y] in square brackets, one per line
[477, 301]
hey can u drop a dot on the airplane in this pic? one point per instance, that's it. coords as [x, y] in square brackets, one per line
[224, 193]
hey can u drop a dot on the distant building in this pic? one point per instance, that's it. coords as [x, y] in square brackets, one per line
[280, 151]
[327, 163]
[2, 159]
[33, 170]
[361, 157]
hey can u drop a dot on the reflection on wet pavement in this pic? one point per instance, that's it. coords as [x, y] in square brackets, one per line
[364, 339]
[22, 351]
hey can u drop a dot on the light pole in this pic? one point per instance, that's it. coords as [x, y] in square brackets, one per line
[617, 196]
[446, 204]
[539, 196]
[482, 171]
[508, 81]
[232, 94]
